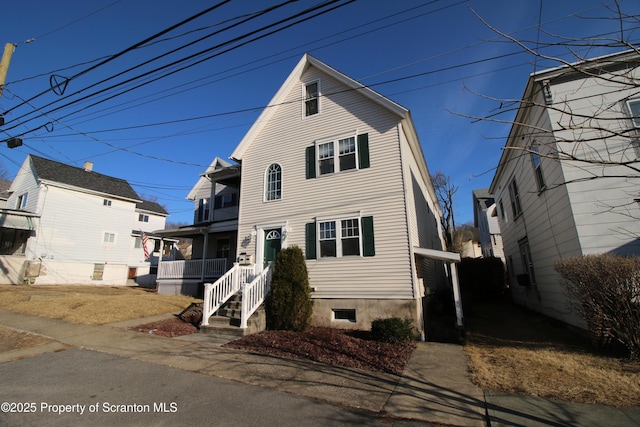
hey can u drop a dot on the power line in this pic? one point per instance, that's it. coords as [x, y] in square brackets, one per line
[129, 49]
[236, 39]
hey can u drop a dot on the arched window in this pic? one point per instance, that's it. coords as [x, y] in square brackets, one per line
[273, 190]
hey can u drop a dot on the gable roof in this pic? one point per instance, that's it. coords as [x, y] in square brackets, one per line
[152, 207]
[404, 115]
[216, 165]
[293, 78]
[55, 172]
[568, 71]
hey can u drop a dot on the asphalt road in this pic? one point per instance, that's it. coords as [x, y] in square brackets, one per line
[80, 387]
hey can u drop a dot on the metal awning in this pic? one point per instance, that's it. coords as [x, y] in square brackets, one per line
[435, 254]
[16, 221]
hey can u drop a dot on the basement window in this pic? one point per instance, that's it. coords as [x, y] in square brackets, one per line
[344, 315]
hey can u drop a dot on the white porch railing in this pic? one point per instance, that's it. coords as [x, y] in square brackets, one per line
[216, 294]
[192, 269]
[254, 293]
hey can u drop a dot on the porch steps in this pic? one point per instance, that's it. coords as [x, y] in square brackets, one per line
[226, 321]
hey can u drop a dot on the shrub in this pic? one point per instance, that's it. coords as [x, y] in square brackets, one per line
[606, 291]
[392, 330]
[289, 305]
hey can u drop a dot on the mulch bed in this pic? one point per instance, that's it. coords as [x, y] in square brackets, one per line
[172, 327]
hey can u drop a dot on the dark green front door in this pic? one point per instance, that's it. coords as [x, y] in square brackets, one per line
[271, 245]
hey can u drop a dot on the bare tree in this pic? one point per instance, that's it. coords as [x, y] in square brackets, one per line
[445, 190]
[592, 127]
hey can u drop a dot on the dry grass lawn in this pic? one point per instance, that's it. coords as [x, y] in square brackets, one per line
[519, 352]
[95, 305]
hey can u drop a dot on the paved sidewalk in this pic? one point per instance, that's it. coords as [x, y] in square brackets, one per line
[434, 387]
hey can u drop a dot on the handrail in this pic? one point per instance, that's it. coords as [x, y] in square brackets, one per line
[217, 293]
[254, 294]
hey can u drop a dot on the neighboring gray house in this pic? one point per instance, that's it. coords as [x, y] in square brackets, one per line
[337, 169]
[78, 227]
[567, 182]
[485, 219]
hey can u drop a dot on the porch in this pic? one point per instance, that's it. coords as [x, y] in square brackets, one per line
[185, 277]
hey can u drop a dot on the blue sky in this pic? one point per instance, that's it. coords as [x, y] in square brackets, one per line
[435, 58]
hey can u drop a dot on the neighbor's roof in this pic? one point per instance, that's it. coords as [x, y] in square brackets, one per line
[55, 172]
[153, 207]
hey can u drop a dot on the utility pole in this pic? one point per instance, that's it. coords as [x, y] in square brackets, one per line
[4, 63]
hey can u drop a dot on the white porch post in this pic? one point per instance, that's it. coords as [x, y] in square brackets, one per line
[160, 255]
[456, 293]
[204, 253]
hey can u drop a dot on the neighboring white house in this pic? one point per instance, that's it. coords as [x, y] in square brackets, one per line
[567, 182]
[337, 169]
[84, 227]
[214, 232]
[485, 219]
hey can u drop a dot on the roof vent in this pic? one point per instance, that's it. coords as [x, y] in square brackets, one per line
[88, 166]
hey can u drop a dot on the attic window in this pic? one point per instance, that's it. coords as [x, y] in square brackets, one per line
[311, 99]
[106, 202]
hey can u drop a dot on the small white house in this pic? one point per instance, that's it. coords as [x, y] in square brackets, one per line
[85, 227]
[485, 219]
[567, 182]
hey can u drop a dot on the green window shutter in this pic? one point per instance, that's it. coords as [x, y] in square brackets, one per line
[363, 151]
[311, 162]
[310, 240]
[368, 242]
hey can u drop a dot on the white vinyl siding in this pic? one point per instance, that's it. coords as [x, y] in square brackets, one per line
[375, 191]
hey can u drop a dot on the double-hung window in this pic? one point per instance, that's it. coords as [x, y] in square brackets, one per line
[312, 99]
[515, 199]
[537, 167]
[22, 201]
[337, 155]
[340, 237]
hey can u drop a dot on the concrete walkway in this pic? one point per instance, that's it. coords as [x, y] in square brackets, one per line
[434, 387]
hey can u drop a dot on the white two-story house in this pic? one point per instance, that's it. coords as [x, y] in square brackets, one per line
[567, 182]
[85, 227]
[337, 169]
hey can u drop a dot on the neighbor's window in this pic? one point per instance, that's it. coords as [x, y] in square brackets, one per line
[98, 271]
[515, 199]
[537, 168]
[273, 182]
[527, 262]
[109, 237]
[22, 201]
[311, 99]
[634, 109]
[143, 218]
[106, 202]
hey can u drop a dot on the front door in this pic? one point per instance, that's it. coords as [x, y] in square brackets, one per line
[272, 244]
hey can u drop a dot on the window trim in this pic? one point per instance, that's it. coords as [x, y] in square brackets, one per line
[514, 195]
[111, 240]
[635, 120]
[335, 141]
[305, 100]
[537, 169]
[267, 184]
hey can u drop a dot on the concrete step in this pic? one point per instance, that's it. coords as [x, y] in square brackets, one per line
[225, 326]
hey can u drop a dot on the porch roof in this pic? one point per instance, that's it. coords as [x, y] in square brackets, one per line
[435, 254]
[199, 229]
[16, 220]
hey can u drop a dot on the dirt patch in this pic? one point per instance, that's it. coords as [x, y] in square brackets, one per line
[337, 347]
[14, 340]
[172, 327]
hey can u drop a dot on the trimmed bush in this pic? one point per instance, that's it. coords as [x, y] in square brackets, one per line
[605, 290]
[392, 330]
[289, 305]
